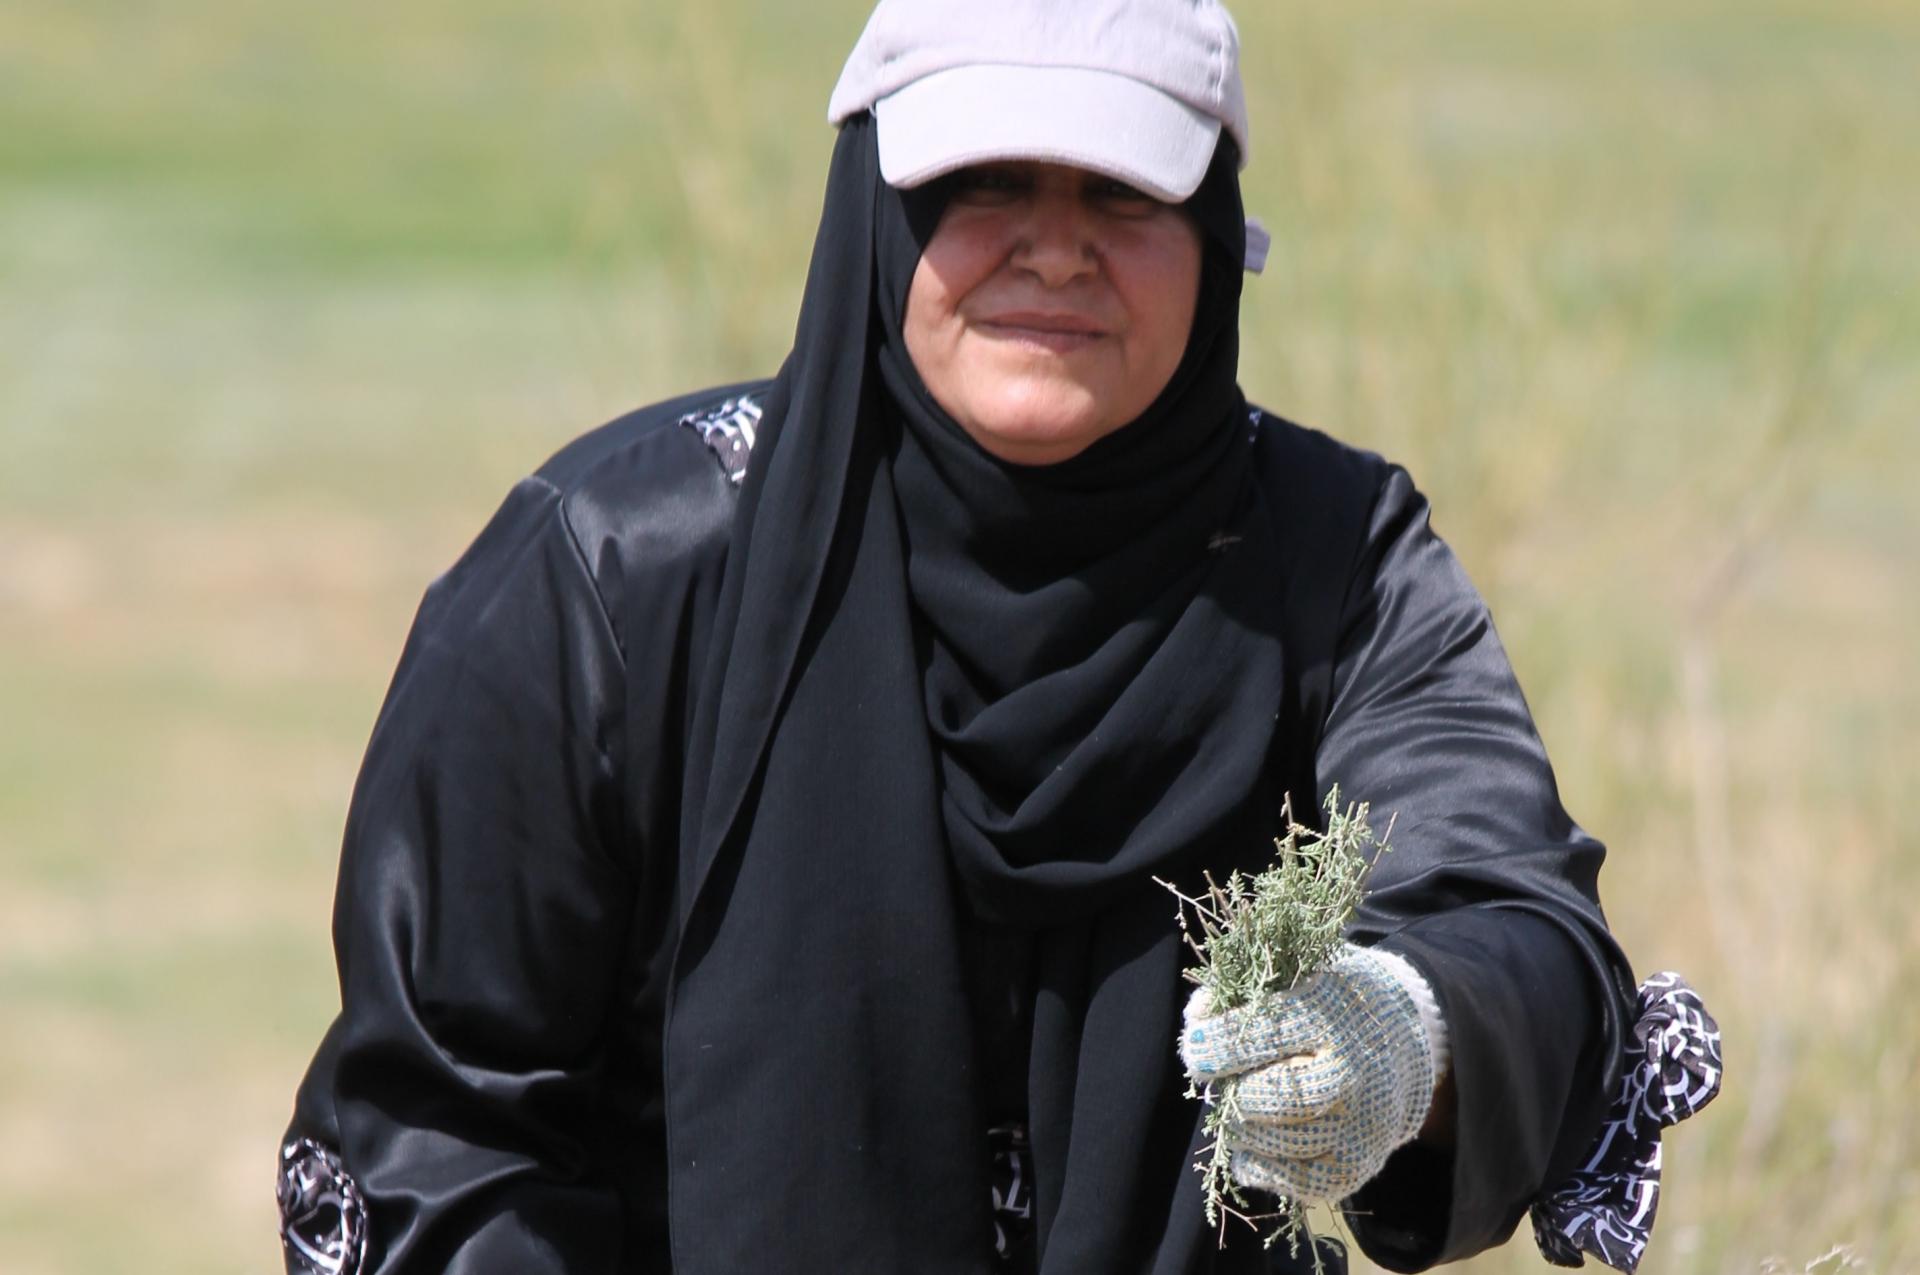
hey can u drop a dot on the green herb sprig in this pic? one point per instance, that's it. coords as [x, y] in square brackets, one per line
[1259, 935]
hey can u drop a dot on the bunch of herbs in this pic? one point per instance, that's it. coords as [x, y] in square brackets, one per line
[1260, 935]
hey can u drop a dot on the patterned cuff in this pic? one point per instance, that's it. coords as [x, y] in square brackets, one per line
[323, 1220]
[1672, 1070]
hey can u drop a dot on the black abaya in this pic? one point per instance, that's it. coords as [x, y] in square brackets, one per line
[655, 763]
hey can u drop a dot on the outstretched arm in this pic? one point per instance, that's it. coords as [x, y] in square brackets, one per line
[1490, 893]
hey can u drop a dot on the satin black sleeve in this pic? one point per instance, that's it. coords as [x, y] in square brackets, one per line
[1490, 890]
[484, 898]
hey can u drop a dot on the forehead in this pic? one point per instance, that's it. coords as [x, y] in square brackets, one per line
[1037, 168]
[1047, 175]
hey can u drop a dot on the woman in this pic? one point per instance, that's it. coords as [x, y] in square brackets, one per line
[752, 867]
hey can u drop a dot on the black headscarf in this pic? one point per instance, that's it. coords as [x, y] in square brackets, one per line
[944, 688]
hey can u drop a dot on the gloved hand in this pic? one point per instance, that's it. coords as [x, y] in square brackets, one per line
[1329, 1077]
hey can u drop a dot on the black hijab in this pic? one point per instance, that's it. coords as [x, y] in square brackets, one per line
[943, 688]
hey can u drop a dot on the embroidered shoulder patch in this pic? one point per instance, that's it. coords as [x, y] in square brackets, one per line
[323, 1220]
[729, 430]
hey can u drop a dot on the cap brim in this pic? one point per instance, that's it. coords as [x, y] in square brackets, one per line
[1108, 123]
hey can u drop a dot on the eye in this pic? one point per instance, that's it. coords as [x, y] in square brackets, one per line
[988, 184]
[1117, 196]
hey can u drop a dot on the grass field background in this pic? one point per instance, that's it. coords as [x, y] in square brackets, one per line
[290, 295]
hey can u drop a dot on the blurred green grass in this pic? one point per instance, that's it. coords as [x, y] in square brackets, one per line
[288, 298]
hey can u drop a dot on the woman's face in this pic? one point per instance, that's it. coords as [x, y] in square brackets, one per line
[1050, 307]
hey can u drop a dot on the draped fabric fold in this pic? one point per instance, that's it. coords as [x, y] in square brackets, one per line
[946, 687]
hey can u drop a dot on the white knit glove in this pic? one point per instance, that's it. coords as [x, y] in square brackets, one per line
[1330, 1077]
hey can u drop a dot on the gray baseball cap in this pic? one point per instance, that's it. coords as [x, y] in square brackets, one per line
[1136, 89]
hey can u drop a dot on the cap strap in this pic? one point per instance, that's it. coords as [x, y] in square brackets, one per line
[1258, 242]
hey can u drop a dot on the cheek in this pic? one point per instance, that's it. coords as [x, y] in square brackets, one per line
[928, 307]
[1161, 284]
[1174, 316]
[956, 260]
[959, 256]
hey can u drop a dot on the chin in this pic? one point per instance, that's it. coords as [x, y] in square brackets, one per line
[1037, 424]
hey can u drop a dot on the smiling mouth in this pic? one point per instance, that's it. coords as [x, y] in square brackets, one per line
[1060, 334]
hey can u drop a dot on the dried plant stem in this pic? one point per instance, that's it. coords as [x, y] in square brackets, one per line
[1255, 936]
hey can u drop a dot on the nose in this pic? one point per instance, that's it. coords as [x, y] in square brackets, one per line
[1057, 243]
